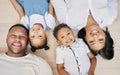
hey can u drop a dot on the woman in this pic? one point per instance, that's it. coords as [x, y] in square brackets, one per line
[84, 13]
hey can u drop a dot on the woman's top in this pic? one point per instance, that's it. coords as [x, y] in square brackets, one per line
[75, 12]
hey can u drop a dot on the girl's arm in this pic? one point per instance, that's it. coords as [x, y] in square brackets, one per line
[60, 69]
[93, 61]
[18, 8]
[51, 9]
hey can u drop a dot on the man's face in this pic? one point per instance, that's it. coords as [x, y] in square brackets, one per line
[17, 41]
[65, 36]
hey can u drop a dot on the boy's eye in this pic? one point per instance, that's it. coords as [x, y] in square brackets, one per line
[62, 36]
[68, 33]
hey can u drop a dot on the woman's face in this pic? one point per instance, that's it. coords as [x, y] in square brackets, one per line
[95, 37]
[37, 35]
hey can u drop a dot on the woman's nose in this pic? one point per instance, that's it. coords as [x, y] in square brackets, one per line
[95, 32]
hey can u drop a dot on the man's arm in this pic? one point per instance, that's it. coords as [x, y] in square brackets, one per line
[93, 61]
[18, 8]
[61, 71]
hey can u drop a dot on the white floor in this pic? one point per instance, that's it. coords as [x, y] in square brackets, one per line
[8, 17]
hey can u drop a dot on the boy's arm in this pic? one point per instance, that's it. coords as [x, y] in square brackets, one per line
[18, 8]
[93, 61]
[60, 69]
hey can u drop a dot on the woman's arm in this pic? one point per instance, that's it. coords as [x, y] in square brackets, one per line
[60, 69]
[18, 8]
[93, 61]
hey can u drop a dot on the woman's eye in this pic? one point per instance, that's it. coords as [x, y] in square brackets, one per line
[33, 29]
[101, 40]
[91, 42]
[12, 35]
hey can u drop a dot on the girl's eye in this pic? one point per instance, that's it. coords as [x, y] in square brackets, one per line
[32, 36]
[38, 28]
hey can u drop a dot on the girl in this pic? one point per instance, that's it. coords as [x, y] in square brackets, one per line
[37, 15]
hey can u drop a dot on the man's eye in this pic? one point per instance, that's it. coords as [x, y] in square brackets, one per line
[68, 33]
[39, 36]
[22, 36]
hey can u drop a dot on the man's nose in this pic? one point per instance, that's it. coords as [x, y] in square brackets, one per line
[17, 38]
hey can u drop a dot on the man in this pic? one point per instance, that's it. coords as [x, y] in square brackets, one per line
[16, 61]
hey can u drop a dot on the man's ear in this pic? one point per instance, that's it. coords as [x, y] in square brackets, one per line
[6, 38]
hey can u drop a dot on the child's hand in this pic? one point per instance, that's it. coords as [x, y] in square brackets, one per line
[90, 73]
[65, 73]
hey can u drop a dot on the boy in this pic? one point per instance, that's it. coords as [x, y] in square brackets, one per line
[72, 56]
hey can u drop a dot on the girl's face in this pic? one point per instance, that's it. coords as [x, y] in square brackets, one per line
[37, 35]
[65, 36]
[95, 37]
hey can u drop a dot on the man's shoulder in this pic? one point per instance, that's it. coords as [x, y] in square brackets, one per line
[37, 58]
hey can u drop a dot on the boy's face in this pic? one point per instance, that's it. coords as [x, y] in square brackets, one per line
[65, 36]
[95, 37]
[37, 35]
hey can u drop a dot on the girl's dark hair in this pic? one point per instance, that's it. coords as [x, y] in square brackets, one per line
[107, 51]
[33, 48]
[57, 28]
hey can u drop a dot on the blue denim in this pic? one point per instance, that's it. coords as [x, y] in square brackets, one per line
[34, 6]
